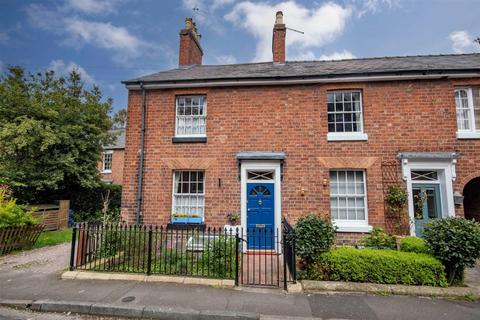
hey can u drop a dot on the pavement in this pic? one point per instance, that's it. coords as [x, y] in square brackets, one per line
[35, 276]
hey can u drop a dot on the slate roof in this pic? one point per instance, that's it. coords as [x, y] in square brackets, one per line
[119, 142]
[303, 69]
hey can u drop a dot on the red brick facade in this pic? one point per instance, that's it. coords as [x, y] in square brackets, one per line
[398, 116]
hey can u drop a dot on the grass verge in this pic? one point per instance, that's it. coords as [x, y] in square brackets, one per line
[50, 238]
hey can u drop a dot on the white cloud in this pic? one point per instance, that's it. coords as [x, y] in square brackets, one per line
[321, 24]
[226, 59]
[93, 6]
[462, 42]
[63, 69]
[78, 32]
[374, 6]
[337, 55]
[4, 38]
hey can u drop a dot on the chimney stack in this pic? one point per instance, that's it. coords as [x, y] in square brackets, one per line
[191, 52]
[278, 43]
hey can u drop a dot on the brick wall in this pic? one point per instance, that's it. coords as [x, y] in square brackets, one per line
[116, 176]
[398, 116]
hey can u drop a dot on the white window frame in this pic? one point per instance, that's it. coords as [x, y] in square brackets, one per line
[203, 116]
[107, 152]
[174, 193]
[348, 136]
[473, 132]
[352, 225]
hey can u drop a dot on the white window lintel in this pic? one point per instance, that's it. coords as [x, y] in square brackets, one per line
[347, 136]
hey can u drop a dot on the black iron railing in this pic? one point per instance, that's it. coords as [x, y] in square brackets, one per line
[211, 252]
[289, 258]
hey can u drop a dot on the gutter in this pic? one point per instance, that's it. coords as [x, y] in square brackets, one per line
[135, 85]
[138, 209]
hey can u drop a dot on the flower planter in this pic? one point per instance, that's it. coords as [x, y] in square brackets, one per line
[186, 220]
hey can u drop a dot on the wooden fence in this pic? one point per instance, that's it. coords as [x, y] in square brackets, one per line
[13, 238]
[53, 216]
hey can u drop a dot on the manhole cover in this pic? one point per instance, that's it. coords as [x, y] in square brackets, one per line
[128, 299]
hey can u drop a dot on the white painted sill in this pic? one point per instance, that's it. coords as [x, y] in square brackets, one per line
[468, 135]
[106, 171]
[352, 228]
[354, 136]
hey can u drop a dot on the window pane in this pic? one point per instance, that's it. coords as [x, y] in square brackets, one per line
[190, 114]
[476, 107]
[188, 187]
[347, 194]
[344, 114]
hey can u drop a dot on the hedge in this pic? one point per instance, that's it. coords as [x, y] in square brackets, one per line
[413, 244]
[378, 266]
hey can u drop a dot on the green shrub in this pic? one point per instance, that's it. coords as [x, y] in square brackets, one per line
[379, 266]
[455, 242]
[314, 236]
[379, 239]
[13, 214]
[87, 204]
[413, 244]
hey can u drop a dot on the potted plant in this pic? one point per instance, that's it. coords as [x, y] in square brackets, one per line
[186, 218]
[233, 217]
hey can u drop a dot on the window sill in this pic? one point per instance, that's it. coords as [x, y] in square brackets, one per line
[106, 171]
[189, 139]
[468, 135]
[354, 136]
[353, 228]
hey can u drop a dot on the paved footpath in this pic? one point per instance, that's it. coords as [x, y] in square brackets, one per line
[35, 275]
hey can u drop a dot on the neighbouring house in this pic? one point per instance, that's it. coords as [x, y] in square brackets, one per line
[283, 139]
[111, 166]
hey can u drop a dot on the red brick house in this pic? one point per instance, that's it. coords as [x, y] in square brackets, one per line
[284, 139]
[111, 166]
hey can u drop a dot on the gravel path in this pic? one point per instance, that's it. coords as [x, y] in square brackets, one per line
[44, 260]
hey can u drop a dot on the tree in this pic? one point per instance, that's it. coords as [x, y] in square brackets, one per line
[52, 130]
[119, 119]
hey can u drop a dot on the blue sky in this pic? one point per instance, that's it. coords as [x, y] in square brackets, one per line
[113, 40]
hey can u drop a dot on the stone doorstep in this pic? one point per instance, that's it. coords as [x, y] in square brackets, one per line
[88, 275]
[310, 286]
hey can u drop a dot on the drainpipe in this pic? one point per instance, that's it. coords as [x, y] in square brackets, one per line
[138, 210]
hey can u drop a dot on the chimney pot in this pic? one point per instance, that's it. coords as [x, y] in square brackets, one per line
[190, 52]
[278, 41]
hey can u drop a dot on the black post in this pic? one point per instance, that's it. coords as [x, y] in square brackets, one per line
[72, 252]
[294, 260]
[284, 261]
[149, 259]
[237, 260]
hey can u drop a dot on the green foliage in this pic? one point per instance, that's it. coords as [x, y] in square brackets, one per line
[52, 130]
[314, 236]
[379, 239]
[413, 244]
[87, 204]
[119, 119]
[455, 242]
[50, 238]
[13, 214]
[396, 196]
[378, 266]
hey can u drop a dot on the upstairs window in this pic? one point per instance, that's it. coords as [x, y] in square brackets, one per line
[345, 118]
[107, 161]
[191, 116]
[467, 101]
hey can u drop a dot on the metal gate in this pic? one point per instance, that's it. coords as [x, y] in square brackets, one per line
[267, 256]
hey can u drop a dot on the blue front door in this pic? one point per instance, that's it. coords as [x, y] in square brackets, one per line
[426, 204]
[260, 216]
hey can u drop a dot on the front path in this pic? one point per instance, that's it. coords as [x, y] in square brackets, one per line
[36, 275]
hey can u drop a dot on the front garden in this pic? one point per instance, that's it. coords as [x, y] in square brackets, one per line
[449, 246]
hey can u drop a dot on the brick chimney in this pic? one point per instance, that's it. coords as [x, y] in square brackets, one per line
[278, 43]
[191, 52]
